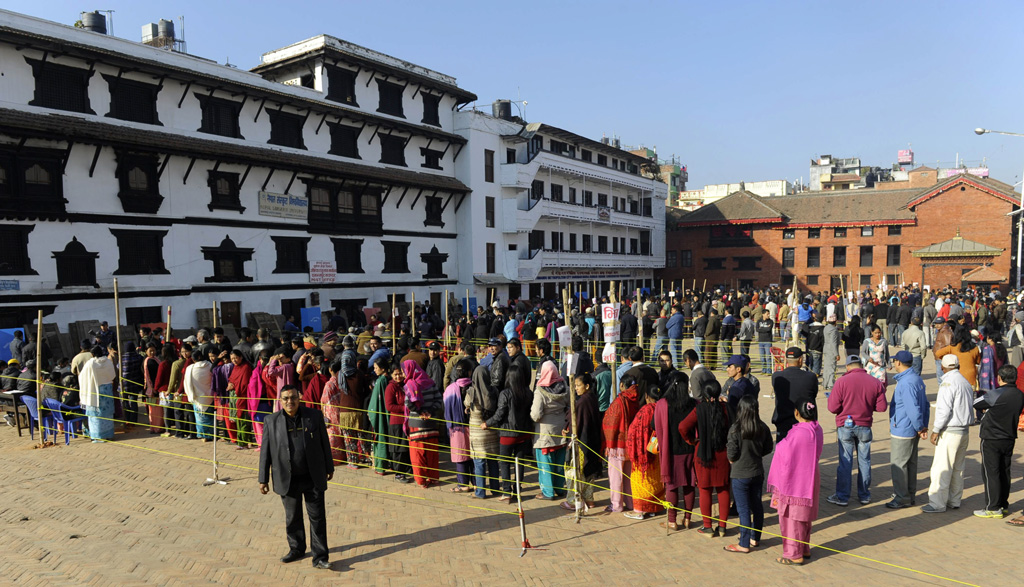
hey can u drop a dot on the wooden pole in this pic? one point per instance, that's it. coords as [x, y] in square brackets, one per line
[639, 314]
[394, 327]
[412, 314]
[446, 320]
[39, 376]
[117, 324]
[215, 313]
[167, 333]
[704, 286]
[615, 383]
[570, 369]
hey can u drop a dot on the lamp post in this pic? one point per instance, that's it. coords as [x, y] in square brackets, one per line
[1020, 217]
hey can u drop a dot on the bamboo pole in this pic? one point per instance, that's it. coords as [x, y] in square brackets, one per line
[445, 319]
[704, 286]
[394, 327]
[412, 314]
[215, 314]
[570, 369]
[167, 333]
[615, 383]
[639, 314]
[117, 324]
[39, 377]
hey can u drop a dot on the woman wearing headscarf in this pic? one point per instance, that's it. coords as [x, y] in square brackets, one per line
[707, 428]
[675, 454]
[645, 474]
[422, 435]
[793, 483]
[379, 418]
[615, 427]
[259, 395]
[480, 402]
[512, 418]
[346, 386]
[96, 394]
[458, 421]
[962, 345]
[333, 402]
[550, 402]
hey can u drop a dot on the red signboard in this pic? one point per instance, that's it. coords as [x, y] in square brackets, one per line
[905, 156]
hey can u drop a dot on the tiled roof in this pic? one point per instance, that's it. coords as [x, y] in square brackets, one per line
[847, 207]
[991, 186]
[983, 274]
[740, 207]
[958, 247]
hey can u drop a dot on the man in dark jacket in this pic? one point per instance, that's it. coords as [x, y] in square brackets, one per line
[297, 454]
[998, 435]
[499, 364]
[517, 357]
[791, 386]
[711, 333]
[628, 327]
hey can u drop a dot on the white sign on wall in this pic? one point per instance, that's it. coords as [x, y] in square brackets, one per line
[322, 272]
[609, 313]
[284, 206]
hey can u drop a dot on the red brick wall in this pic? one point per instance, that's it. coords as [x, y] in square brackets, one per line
[980, 217]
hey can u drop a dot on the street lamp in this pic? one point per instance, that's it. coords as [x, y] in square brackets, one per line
[1020, 217]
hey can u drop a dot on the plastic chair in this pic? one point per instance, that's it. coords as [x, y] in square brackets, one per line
[33, 418]
[778, 359]
[60, 416]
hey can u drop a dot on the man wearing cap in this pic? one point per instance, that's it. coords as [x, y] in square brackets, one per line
[791, 386]
[740, 385]
[908, 424]
[998, 434]
[953, 416]
[855, 397]
[499, 364]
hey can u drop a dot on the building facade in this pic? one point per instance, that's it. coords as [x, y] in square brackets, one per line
[324, 177]
[693, 199]
[551, 207]
[949, 233]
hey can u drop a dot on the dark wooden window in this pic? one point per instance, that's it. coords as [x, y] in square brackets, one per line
[586, 155]
[139, 182]
[814, 256]
[341, 85]
[686, 258]
[588, 198]
[892, 255]
[433, 208]
[75, 265]
[747, 263]
[602, 199]
[491, 261]
[293, 308]
[31, 183]
[866, 254]
[839, 256]
[348, 255]
[489, 211]
[634, 246]
[556, 192]
[335, 209]
[392, 149]
[895, 230]
[344, 140]
[286, 129]
[431, 105]
[536, 240]
[572, 241]
[602, 244]
[396, 257]
[224, 191]
[61, 87]
[144, 314]
[602, 160]
[586, 243]
[714, 263]
[788, 233]
[291, 254]
[788, 257]
[431, 158]
[510, 155]
[813, 233]
[537, 189]
[220, 116]
[812, 280]
[488, 166]
[141, 252]
[228, 262]
[132, 100]
[572, 196]
[839, 233]
[865, 280]
[645, 242]
[390, 98]
[14, 259]
[670, 259]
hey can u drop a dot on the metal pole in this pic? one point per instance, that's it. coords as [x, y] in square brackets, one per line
[412, 314]
[445, 319]
[215, 480]
[1020, 233]
[394, 314]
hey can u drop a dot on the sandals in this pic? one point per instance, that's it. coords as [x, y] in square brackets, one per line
[789, 561]
[708, 532]
[670, 525]
[460, 489]
[1016, 521]
[635, 515]
[505, 499]
[735, 548]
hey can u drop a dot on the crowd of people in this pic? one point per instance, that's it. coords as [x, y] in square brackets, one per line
[669, 435]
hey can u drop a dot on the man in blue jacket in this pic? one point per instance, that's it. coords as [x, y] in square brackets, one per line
[908, 424]
[675, 325]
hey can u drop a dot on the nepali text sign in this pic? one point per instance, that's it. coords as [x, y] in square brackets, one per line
[284, 206]
[10, 285]
[609, 313]
[976, 171]
[322, 272]
[564, 336]
[608, 355]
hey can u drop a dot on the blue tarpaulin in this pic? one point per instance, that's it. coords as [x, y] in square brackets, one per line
[6, 336]
[311, 317]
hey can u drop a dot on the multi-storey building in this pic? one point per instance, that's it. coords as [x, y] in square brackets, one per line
[552, 207]
[324, 177]
[693, 199]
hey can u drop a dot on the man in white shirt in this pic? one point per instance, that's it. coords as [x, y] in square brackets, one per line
[953, 415]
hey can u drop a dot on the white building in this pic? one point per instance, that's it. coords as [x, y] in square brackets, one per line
[693, 199]
[551, 207]
[324, 177]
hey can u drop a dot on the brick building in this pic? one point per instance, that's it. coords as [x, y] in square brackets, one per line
[950, 232]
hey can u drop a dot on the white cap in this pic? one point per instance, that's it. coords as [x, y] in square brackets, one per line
[950, 361]
[494, 304]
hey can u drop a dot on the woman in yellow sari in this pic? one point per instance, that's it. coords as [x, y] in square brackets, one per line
[645, 476]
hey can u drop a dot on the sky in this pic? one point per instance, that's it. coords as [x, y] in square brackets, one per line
[738, 91]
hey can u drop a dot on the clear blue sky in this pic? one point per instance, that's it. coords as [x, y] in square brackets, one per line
[738, 90]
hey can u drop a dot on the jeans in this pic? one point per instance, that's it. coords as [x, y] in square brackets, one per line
[659, 343]
[698, 347]
[903, 457]
[747, 494]
[815, 357]
[857, 438]
[745, 347]
[508, 453]
[784, 330]
[765, 348]
[485, 468]
[918, 365]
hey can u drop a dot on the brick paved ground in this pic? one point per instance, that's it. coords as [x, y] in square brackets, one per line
[121, 513]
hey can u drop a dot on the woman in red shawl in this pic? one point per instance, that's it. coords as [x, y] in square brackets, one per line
[422, 434]
[645, 477]
[707, 427]
[793, 483]
[615, 427]
[238, 398]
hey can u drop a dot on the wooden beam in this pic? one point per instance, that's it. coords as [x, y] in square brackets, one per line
[321, 124]
[259, 110]
[266, 181]
[216, 165]
[241, 182]
[384, 200]
[446, 202]
[163, 166]
[456, 157]
[67, 155]
[290, 181]
[184, 180]
[185, 93]
[416, 199]
[459, 205]
[96, 156]
[405, 191]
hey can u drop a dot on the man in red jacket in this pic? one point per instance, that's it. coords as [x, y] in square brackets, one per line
[854, 398]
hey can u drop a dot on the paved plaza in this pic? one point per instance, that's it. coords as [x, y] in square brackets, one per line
[134, 512]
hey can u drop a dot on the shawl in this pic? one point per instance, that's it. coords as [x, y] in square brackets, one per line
[638, 437]
[378, 411]
[617, 419]
[416, 381]
[219, 379]
[147, 378]
[239, 379]
[588, 431]
[198, 381]
[313, 390]
[163, 376]
[348, 369]
[548, 375]
[454, 410]
[257, 387]
[479, 396]
[96, 372]
[793, 477]
[330, 400]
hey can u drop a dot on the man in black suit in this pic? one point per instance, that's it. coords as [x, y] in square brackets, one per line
[791, 386]
[296, 447]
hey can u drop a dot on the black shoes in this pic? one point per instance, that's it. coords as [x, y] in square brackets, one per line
[292, 556]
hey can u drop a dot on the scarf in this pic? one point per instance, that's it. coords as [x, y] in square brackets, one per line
[348, 369]
[638, 437]
[379, 411]
[257, 388]
[416, 382]
[618, 418]
[793, 477]
[95, 373]
[479, 396]
[454, 410]
[548, 375]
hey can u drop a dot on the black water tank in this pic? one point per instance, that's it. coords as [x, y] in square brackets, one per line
[95, 22]
[502, 109]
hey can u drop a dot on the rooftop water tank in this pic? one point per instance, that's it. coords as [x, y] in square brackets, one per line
[95, 22]
[165, 28]
[502, 109]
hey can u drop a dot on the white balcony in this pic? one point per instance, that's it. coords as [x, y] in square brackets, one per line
[530, 266]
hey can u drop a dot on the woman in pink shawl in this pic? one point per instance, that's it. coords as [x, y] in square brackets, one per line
[259, 405]
[793, 483]
[422, 434]
[457, 418]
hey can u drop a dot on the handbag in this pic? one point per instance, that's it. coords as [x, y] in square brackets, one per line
[652, 444]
